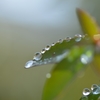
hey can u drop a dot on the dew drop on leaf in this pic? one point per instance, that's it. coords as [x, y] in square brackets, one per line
[37, 56]
[86, 58]
[60, 41]
[94, 86]
[29, 64]
[86, 91]
[78, 37]
[43, 51]
[52, 44]
[96, 90]
[47, 47]
[68, 39]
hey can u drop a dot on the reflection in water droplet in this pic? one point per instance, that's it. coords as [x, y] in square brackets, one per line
[84, 98]
[47, 47]
[48, 75]
[94, 86]
[96, 90]
[29, 64]
[37, 56]
[68, 39]
[43, 51]
[86, 91]
[78, 37]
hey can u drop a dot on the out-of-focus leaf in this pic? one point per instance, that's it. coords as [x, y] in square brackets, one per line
[88, 24]
[65, 71]
[96, 64]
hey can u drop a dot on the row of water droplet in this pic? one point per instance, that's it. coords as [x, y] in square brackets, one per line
[95, 90]
[77, 38]
[38, 56]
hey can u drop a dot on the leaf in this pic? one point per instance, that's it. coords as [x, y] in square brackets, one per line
[65, 71]
[88, 24]
[58, 51]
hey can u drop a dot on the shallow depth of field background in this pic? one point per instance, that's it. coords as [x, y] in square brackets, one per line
[26, 27]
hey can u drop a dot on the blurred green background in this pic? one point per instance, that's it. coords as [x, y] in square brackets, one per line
[27, 27]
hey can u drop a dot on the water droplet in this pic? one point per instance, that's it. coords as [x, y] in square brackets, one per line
[37, 56]
[85, 59]
[47, 47]
[30, 64]
[48, 75]
[96, 90]
[60, 41]
[78, 37]
[94, 86]
[86, 91]
[43, 51]
[68, 39]
[52, 44]
[84, 98]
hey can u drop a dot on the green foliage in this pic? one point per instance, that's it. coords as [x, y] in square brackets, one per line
[71, 56]
[66, 70]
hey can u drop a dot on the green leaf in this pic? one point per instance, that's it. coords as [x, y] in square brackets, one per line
[88, 24]
[58, 51]
[65, 71]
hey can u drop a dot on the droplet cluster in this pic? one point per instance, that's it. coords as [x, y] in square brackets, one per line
[37, 59]
[94, 91]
